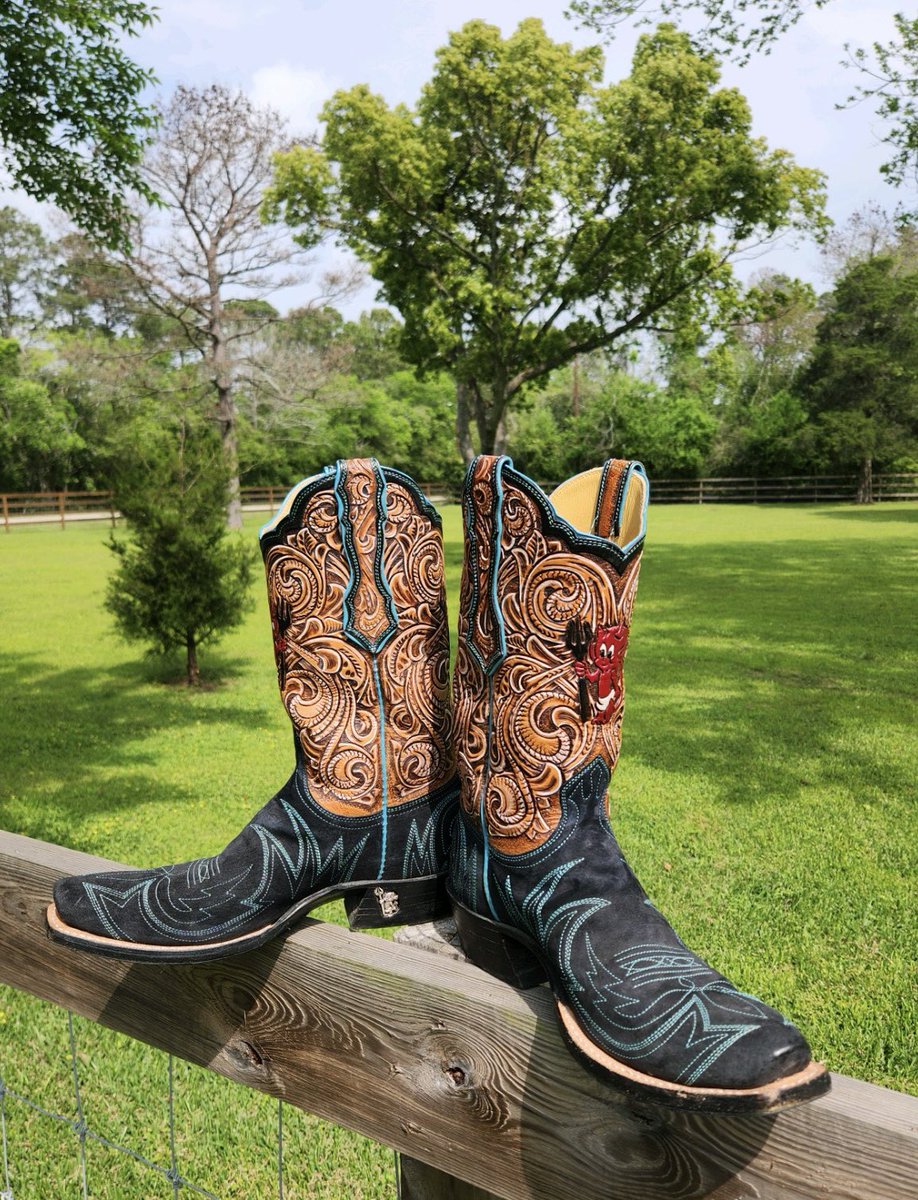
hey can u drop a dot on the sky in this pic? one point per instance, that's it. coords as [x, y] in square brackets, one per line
[292, 54]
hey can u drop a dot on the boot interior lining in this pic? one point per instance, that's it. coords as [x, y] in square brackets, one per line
[575, 501]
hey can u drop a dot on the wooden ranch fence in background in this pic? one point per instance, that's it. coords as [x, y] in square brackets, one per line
[447, 1065]
[21, 508]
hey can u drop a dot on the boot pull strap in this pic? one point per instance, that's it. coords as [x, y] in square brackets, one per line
[607, 518]
[483, 505]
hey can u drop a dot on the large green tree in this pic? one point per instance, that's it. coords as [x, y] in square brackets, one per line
[524, 214]
[888, 71]
[72, 124]
[861, 384]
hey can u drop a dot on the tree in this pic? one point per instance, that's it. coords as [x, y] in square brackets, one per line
[861, 385]
[763, 424]
[89, 289]
[182, 580]
[72, 126]
[211, 163]
[25, 263]
[523, 214]
[743, 28]
[38, 438]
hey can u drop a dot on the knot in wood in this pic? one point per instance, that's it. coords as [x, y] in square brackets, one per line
[247, 1052]
[457, 1074]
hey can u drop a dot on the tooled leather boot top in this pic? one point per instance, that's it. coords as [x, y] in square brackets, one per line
[354, 566]
[545, 611]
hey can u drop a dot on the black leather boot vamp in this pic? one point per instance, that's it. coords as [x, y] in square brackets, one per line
[636, 1006]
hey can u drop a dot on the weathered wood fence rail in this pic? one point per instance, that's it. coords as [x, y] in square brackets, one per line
[447, 1065]
[60, 507]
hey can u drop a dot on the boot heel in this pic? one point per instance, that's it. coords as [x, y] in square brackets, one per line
[495, 952]
[397, 902]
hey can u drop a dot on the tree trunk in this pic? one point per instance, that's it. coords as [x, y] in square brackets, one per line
[464, 422]
[193, 670]
[865, 482]
[226, 419]
[226, 404]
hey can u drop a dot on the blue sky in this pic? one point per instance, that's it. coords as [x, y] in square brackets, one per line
[294, 55]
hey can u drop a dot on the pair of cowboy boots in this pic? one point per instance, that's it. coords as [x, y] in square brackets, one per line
[498, 810]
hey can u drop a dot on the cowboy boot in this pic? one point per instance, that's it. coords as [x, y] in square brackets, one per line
[354, 562]
[539, 886]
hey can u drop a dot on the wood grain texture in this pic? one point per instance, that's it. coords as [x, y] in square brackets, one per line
[419, 1181]
[446, 1064]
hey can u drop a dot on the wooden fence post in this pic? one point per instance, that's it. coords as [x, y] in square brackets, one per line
[6, 512]
[418, 1180]
[62, 508]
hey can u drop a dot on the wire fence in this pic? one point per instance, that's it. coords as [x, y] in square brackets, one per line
[78, 1123]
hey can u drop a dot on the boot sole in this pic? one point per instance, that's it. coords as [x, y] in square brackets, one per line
[370, 904]
[516, 959]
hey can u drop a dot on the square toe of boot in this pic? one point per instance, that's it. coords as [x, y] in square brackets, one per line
[770, 1052]
[74, 907]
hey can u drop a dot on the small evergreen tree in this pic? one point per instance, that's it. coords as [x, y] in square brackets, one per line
[182, 579]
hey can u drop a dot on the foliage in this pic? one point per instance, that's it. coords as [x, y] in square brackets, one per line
[523, 214]
[182, 580]
[891, 73]
[72, 126]
[762, 423]
[744, 28]
[617, 415]
[24, 268]
[373, 344]
[90, 290]
[861, 384]
[740, 28]
[38, 438]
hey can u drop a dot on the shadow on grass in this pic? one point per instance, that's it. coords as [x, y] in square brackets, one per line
[772, 668]
[83, 734]
[873, 513]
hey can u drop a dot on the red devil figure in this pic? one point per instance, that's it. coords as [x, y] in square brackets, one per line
[602, 665]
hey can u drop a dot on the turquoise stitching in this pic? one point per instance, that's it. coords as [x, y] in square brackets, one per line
[350, 554]
[491, 665]
[383, 768]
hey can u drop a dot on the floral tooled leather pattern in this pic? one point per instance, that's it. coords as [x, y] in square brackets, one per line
[538, 736]
[328, 684]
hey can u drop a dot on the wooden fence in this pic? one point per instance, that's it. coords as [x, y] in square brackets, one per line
[22, 508]
[465, 1076]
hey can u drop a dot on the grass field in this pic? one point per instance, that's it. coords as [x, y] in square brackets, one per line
[765, 795]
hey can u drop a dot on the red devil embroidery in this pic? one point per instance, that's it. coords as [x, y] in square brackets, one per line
[602, 665]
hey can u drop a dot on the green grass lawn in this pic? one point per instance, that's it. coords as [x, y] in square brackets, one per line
[765, 796]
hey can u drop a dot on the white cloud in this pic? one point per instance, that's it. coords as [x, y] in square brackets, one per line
[298, 93]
